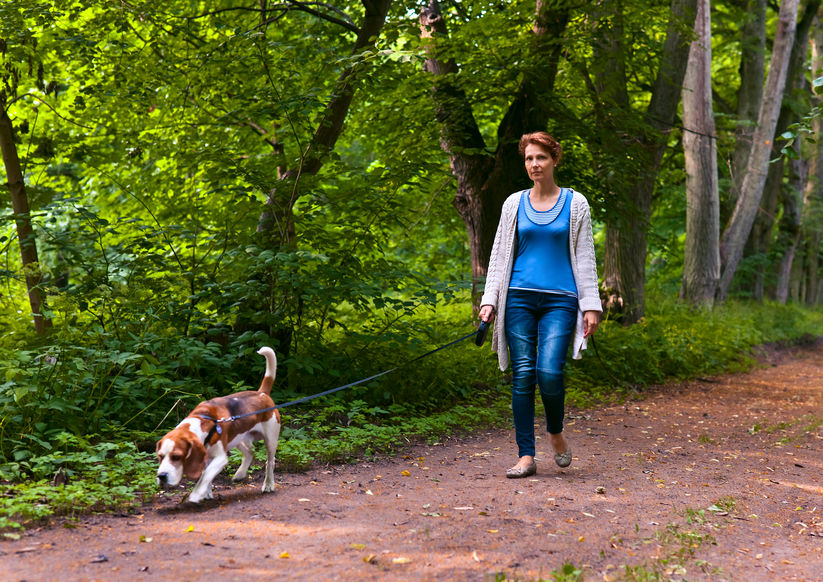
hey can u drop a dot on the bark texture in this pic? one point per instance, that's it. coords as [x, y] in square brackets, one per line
[22, 219]
[701, 269]
[737, 232]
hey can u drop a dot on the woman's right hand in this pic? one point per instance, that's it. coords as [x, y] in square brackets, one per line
[486, 313]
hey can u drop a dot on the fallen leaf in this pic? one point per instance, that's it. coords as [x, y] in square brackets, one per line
[581, 539]
[11, 536]
[100, 559]
[190, 528]
[368, 492]
[145, 540]
[358, 546]
[588, 514]
[467, 508]
[401, 560]
[405, 473]
[492, 530]
[370, 559]
[285, 555]
[475, 556]
[303, 500]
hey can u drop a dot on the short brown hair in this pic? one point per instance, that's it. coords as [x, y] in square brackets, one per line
[545, 141]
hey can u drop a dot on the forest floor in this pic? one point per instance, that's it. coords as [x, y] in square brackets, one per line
[717, 479]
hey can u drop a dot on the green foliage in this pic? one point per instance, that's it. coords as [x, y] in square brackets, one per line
[76, 478]
[676, 341]
[319, 436]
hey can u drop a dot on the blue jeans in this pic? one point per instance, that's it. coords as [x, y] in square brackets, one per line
[539, 328]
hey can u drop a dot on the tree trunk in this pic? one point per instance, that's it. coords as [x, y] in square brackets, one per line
[740, 225]
[701, 269]
[627, 226]
[812, 219]
[750, 92]
[484, 181]
[789, 231]
[277, 219]
[789, 226]
[22, 218]
[760, 239]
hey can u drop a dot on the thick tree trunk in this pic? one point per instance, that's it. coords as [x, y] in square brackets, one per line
[277, 219]
[484, 181]
[22, 218]
[701, 268]
[750, 92]
[745, 211]
[627, 226]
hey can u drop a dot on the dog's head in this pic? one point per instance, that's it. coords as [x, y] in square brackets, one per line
[179, 452]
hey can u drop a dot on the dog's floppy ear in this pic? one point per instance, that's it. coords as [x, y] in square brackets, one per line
[194, 462]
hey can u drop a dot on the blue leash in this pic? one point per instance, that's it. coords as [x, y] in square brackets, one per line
[479, 335]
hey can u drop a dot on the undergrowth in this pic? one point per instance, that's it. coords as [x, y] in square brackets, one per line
[78, 477]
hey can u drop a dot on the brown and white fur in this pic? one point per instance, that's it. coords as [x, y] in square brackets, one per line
[182, 450]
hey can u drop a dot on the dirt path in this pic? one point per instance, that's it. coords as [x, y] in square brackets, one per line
[637, 495]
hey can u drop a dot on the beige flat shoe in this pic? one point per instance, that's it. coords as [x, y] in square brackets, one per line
[564, 459]
[518, 472]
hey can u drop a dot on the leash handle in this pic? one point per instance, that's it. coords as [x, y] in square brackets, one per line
[482, 330]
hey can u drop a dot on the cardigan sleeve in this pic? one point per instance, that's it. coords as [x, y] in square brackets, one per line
[498, 271]
[587, 291]
[494, 274]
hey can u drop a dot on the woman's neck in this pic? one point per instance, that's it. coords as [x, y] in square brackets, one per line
[545, 190]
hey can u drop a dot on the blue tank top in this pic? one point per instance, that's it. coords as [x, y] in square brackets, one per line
[542, 260]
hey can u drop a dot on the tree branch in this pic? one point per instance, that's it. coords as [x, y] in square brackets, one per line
[345, 21]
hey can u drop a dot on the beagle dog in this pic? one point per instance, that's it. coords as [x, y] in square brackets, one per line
[198, 447]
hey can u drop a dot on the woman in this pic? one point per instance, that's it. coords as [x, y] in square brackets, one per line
[542, 284]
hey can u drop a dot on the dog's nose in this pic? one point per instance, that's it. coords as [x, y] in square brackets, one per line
[163, 479]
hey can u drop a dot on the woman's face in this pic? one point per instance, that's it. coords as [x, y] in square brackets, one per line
[539, 162]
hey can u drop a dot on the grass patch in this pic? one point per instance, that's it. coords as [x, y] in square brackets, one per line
[568, 572]
[677, 554]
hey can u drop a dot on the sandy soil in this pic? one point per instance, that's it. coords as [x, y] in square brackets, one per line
[719, 479]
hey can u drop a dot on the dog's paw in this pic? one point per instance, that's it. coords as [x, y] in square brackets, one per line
[194, 498]
[239, 476]
[268, 487]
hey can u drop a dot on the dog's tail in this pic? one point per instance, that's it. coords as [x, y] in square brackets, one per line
[271, 369]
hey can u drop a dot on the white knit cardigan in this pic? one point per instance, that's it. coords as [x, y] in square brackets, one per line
[584, 268]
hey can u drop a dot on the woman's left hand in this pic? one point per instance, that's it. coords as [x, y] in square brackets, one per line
[591, 319]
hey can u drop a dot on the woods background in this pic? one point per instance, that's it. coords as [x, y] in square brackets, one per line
[190, 180]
